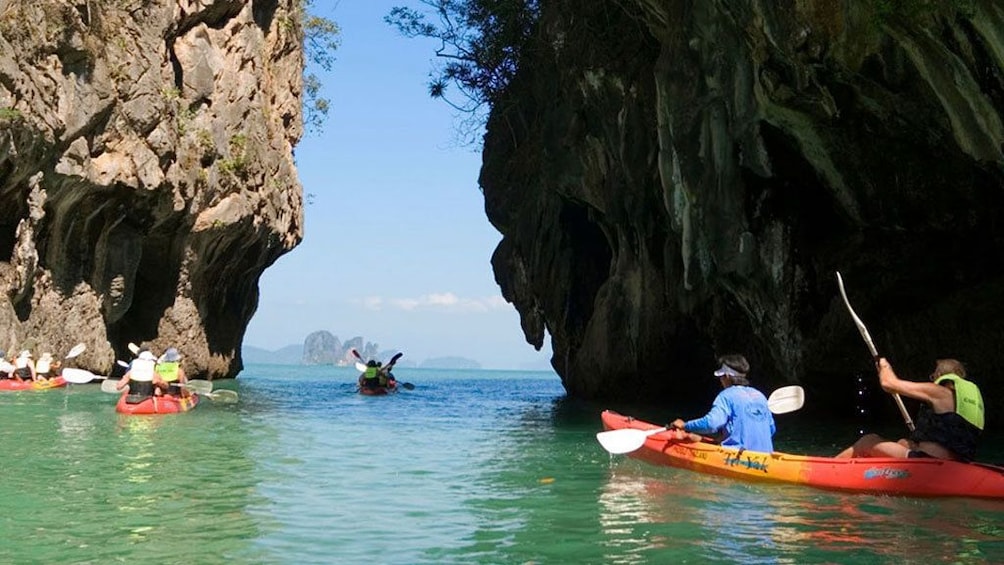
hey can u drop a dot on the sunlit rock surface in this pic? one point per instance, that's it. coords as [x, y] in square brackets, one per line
[146, 173]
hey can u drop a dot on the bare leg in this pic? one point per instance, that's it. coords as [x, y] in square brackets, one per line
[874, 445]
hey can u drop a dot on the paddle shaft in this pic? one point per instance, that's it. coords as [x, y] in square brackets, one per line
[871, 347]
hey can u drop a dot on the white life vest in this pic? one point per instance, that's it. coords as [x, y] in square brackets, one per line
[141, 370]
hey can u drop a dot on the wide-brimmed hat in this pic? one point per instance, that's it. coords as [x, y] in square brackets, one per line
[171, 355]
[147, 356]
[25, 353]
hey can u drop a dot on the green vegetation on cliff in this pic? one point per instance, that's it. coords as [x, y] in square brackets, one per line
[481, 45]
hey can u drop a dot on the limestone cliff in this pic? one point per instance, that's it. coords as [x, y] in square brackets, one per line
[146, 172]
[678, 179]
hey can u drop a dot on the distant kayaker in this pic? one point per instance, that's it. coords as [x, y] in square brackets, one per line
[949, 423]
[170, 374]
[740, 411]
[139, 377]
[377, 376]
[371, 377]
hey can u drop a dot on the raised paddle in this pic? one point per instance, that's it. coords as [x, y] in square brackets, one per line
[406, 386]
[76, 350]
[871, 347]
[781, 401]
[786, 399]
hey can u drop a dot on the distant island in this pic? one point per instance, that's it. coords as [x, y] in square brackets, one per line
[324, 348]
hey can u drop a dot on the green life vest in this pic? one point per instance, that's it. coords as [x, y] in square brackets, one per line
[968, 400]
[371, 373]
[168, 370]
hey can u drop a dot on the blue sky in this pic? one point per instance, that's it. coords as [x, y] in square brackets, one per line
[397, 247]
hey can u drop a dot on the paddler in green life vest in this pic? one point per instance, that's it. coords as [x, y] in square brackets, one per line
[170, 374]
[370, 379]
[949, 423]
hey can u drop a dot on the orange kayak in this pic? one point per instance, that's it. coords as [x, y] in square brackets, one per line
[166, 404]
[923, 477]
[14, 384]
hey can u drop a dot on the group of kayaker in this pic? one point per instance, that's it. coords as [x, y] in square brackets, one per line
[23, 367]
[377, 376]
[949, 424]
[149, 375]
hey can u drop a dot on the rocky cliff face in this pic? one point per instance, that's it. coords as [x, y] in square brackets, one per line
[146, 172]
[679, 179]
[324, 348]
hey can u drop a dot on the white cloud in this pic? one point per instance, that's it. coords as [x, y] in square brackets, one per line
[442, 301]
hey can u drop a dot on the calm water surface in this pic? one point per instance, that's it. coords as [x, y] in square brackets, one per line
[502, 469]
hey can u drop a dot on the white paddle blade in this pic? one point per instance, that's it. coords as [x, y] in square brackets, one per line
[134, 348]
[223, 395]
[109, 385]
[76, 350]
[360, 367]
[625, 440]
[199, 386]
[78, 376]
[786, 399]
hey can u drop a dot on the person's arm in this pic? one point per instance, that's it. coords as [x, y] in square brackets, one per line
[711, 422]
[939, 397]
[31, 366]
[123, 381]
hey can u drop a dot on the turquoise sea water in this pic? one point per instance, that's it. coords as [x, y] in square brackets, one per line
[470, 467]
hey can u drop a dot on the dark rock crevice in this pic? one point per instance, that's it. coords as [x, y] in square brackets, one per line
[724, 160]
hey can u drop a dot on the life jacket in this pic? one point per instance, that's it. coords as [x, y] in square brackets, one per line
[141, 370]
[168, 370]
[22, 368]
[371, 373]
[968, 400]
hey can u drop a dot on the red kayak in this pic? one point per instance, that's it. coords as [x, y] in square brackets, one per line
[925, 477]
[14, 384]
[166, 404]
[378, 391]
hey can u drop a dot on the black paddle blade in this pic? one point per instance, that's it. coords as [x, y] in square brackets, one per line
[408, 386]
[356, 353]
[395, 358]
